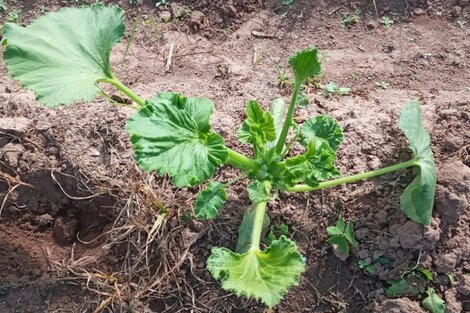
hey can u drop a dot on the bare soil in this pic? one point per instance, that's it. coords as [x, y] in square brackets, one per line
[83, 230]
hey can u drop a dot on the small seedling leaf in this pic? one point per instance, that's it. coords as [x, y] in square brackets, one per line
[402, 287]
[340, 224]
[315, 165]
[418, 198]
[263, 275]
[305, 63]
[171, 135]
[333, 230]
[349, 234]
[257, 193]
[333, 88]
[426, 273]
[61, 55]
[210, 201]
[341, 242]
[322, 126]
[433, 303]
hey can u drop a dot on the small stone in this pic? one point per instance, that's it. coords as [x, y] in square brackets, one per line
[463, 3]
[165, 16]
[12, 153]
[362, 233]
[455, 12]
[453, 143]
[14, 125]
[418, 11]
[371, 25]
[364, 254]
[446, 263]
[463, 285]
[230, 10]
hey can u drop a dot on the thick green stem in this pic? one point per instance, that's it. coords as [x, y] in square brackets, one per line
[241, 161]
[354, 178]
[119, 85]
[288, 121]
[259, 220]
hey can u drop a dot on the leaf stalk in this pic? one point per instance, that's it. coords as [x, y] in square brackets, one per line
[288, 121]
[121, 87]
[354, 178]
[259, 219]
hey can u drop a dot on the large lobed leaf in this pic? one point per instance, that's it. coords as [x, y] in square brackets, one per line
[61, 55]
[433, 303]
[263, 275]
[418, 197]
[171, 135]
[315, 165]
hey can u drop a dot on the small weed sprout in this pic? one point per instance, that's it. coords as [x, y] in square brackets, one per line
[342, 235]
[172, 135]
[349, 20]
[382, 85]
[387, 21]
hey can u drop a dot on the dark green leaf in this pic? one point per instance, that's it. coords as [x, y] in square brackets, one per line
[305, 63]
[402, 287]
[349, 234]
[61, 55]
[210, 201]
[418, 198]
[257, 193]
[341, 242]
[315, 165]
[171, 135]
[322, 126]
[283, 229]
[433, 303]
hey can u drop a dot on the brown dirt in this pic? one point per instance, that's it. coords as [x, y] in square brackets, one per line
[81, 210]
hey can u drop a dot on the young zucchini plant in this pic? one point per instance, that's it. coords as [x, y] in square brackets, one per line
[63, 57]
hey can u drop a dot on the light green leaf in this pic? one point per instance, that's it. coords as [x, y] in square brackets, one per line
[349, 234]
[210, 201]
[263, 275]
[258, 129]
[333, 88]
[171, 135]
[278, 110]
[433, 303]
[257, 193]
[333, 230]
[341, 242]
[322, 126]
[418, 197]
[61, 55]
[315, 165]
[246, 229]
[305, 63]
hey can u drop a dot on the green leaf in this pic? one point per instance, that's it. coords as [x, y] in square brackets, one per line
[349, 234]
[426, 273]
[210, 201]
[333, 88]
[305, 63]
[258, 129]
[263, 275]
[341, 242]
[246, 229]
[278, 110]
[433, 303]
[257, 193]
[340, 224]
[61, 55]
[418, 197]
[171, 135]
[315, 165]
[322, 126]
[402, 287]
[333, 230]
[283, 229]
